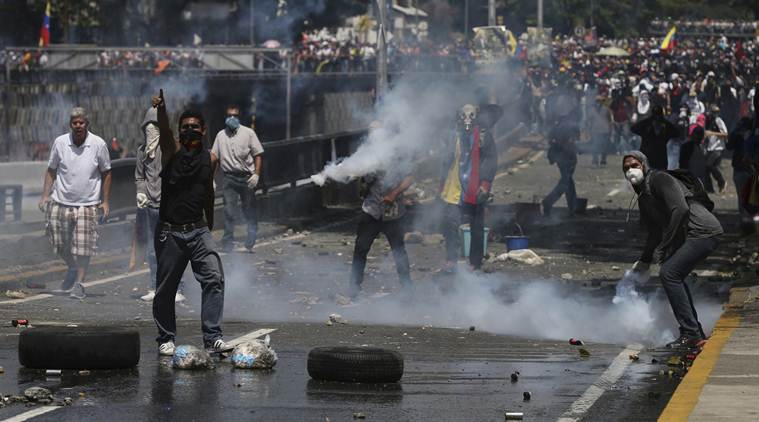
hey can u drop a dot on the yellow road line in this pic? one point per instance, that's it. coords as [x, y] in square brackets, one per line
[686, 396]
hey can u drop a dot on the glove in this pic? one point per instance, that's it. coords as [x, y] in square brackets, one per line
[640, 267]
[253, 181]
[142, 200]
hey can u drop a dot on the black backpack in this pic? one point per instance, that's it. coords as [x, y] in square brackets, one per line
[694, 185]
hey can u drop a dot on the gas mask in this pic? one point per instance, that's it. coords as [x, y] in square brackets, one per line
[232, 122]
[191, 138]
[467, 116]
[634, 176]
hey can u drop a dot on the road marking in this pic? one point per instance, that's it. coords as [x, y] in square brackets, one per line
[85, 284]
[31, 414]
[251, 336]
[610, 376]
[686, 395]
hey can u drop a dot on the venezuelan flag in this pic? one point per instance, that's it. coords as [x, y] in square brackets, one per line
[45, 29]
[670, 41]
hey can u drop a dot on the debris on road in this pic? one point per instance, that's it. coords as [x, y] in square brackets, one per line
[254, 354]
[190, 357]
[514, 416]
[515, 376]
[37, 394]
[525, 256]
[413, 237]
[615, 268]
[576, 342]
[359, 415]
[634, 357]
[15, 294]
[584, 353]
[526, 396]
[336, 319]
[567, 276]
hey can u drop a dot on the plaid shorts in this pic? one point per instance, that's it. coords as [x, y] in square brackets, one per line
[72, 229]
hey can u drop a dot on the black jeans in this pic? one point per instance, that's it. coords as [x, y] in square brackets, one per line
[566, 187]
[672, 275]
[713, 160]
[173, 251]
[474, 215]
[450, 228]
[368, 230]
[235, 191]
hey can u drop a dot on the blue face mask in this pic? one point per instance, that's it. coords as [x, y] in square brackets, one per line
[232, 122]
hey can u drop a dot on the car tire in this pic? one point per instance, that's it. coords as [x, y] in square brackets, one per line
[355, 364]
[79, 348]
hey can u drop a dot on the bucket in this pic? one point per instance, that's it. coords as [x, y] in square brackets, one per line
[466, 239]
[515, 243]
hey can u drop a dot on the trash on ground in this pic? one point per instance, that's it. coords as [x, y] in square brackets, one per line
[526, 396]
[584, 353]
[615, 268]
[514, 416]
[567, 276]
[515, 376]
[15, 294]
[575, 342]
[190, 357]
[634, 357]
[337, 319]
[433, 239]
[254, 354]
[413, 237]
[38, 393]
[525, 256]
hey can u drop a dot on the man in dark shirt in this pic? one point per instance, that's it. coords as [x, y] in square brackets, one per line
[183, 235]
[682, 232]
[655, 131]
[563, 153]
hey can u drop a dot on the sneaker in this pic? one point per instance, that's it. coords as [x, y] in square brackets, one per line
[685, 342]
[166, 349]
[148, 297]
[77, 292]
[179, 298]
[218, 346]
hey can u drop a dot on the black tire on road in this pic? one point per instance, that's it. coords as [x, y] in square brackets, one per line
[355, 364]
[79, 348]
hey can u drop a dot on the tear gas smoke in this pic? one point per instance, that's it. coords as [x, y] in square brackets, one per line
[540, 309]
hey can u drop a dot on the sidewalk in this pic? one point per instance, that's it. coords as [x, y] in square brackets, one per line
[723, 383]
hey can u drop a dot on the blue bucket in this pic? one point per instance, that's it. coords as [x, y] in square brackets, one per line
[515, 243]
[466, 239]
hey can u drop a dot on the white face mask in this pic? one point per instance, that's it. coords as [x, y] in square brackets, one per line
[634, 176]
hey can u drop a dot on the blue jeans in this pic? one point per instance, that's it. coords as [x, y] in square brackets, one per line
[174, 250]
[566, 187]
[236, 192]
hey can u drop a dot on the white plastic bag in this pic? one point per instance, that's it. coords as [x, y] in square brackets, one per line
[254, 354]
[190, 357]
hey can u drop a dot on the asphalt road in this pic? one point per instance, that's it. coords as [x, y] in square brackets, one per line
[523, 317]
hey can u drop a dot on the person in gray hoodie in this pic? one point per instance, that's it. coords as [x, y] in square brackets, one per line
[146, 176]
[682, 233]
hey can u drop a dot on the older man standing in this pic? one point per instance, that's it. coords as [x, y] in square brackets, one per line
[239, 152]
[78, 170]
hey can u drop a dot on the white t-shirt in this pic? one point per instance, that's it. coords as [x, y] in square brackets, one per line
[236, 151]
[78, 169]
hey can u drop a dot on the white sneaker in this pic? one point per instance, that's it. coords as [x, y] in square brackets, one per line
[148, 297]
[166, 349]
[179, 298]
[219, 346]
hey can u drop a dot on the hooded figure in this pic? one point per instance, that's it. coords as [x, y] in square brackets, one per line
[655, 132]
[682, 232]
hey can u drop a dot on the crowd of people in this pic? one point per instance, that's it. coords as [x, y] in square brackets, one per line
[705, 27]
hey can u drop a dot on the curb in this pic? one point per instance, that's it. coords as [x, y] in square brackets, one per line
[688, 392]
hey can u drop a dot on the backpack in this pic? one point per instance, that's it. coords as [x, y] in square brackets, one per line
[694, 186]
